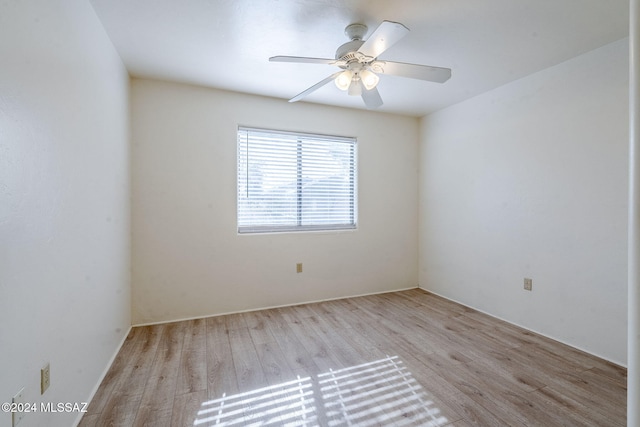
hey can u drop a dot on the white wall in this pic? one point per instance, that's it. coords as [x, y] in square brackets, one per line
[188, 260]
[64, 203]
[530, 180]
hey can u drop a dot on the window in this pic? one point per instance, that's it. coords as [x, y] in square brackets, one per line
[294, 182]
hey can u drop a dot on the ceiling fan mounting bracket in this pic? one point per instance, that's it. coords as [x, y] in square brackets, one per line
[356, 31]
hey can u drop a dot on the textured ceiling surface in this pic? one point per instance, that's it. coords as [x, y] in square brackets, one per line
[226, 43]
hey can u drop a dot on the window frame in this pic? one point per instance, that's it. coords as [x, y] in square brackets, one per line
[301, 137]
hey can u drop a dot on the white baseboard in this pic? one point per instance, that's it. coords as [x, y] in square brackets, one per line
[524, 327]
[104, 374]
[270, 307]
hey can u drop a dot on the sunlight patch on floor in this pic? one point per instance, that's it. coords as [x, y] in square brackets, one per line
[382, 392]
[264, 406]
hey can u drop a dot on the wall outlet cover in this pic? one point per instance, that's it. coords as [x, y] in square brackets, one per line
[17, 416]
[45, 378]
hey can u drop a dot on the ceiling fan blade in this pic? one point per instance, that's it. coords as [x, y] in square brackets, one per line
[413, 71]
[371, 98]
[302, 59]
[385, 36]
[315, 87]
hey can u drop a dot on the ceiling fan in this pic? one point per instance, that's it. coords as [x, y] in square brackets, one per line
[360, 65]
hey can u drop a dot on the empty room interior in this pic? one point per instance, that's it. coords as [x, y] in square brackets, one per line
[436, 235]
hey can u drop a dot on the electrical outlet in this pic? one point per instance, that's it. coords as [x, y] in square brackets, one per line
[299, 267]
[528, 284]
[17, 416]
[45, 378]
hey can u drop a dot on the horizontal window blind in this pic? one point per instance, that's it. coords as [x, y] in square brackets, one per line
[291, 181]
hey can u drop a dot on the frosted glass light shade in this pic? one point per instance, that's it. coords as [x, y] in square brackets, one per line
[344, 80]
[355, 89]
[369, 79]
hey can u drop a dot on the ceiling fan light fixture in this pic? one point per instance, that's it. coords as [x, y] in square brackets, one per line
[369, 79]
[359, 64]
[355, 88]
[344, 80]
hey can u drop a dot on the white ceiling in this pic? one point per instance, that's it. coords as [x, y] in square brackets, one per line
[226, 43]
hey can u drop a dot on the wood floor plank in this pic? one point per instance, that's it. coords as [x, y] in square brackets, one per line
[472, 384]
[293, 393]
[574, 410]
[190, 409]
[577, 388]
[370, 386]
[474, 413]
[407, 358]
[221, 376]
[157, 400]
[609, 377]
[235, 321]
[192, 375]
[297, 355]
[249, 374]
[122, 405]
[611, 371]
[121, 367]
[89, 420]
[273, 363]
[256, 323]
[381, 319]
[308, 347]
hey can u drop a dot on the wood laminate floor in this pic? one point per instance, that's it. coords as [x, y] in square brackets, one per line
[406, 358]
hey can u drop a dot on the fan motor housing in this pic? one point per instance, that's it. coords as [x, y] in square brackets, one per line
[356, 33]
[347, 51]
